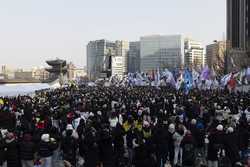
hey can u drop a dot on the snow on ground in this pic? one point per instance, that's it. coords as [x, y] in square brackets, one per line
[23, 89]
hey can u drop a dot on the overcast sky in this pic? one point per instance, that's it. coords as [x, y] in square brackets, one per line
[32, 31]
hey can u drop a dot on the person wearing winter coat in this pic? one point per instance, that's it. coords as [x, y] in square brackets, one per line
[2, 147]
[243, 136]
[27, 151]
[130, 135]
[188, 145]
[69, 146]
[160, 138]
[12, 155]
[178, 137]
[80, 128]
[118, 133]
[89, 149]
[214, 145]
[231, 147]
[74, 132]
[106, 148]
[55, 136]
[142, 156]
[171, 131]
[198, 133]
[46, 148]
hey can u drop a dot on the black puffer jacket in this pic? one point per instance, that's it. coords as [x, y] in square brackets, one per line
[215, 143]
[27, 150]
[45, 149]
[2, 146]
[12, 154]
[199, 136]
[89, 150]
[69, 147]
[231, 147]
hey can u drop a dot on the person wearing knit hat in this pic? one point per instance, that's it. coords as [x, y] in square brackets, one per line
[230, 130]
[12, 153]
[45, 151]
[45, 137]
[231, 146]
[171, 131]
[193, 121]
[171, 128]
[71, 130]
[69, 127]
[69, 144]
[216, 140]
[219, 128]
[187, 145]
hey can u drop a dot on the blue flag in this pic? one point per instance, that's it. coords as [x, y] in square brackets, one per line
[188, 80]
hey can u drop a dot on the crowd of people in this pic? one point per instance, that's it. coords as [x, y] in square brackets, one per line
[125, 127]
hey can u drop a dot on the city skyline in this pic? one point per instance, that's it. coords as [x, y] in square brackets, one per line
[34, 31]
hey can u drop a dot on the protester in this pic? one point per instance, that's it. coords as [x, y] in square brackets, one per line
[12, 156]
[215, 145]
[178, 137]
[69, 145]
[231, 147]
[45, 151]
[188, 147]
[27, 151]
[2, 147]
[124, 126]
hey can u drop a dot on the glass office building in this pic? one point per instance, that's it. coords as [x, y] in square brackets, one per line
[161, 52]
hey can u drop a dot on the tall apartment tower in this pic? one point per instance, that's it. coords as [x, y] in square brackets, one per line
[238, 24]
[238, 35]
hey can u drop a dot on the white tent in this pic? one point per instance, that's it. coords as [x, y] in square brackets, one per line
[24, 89]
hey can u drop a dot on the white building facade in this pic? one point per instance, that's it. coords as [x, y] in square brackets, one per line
[194, 54]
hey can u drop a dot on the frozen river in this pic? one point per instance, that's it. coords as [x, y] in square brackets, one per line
[23, 89]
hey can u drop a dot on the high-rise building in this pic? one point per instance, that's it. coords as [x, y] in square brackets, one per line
[106, 58]
[238, 34]
[194, 54]
[119, 61]
[99, 54]
[238, 23]
[215, 54]
[161, 52]
[134, 57]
